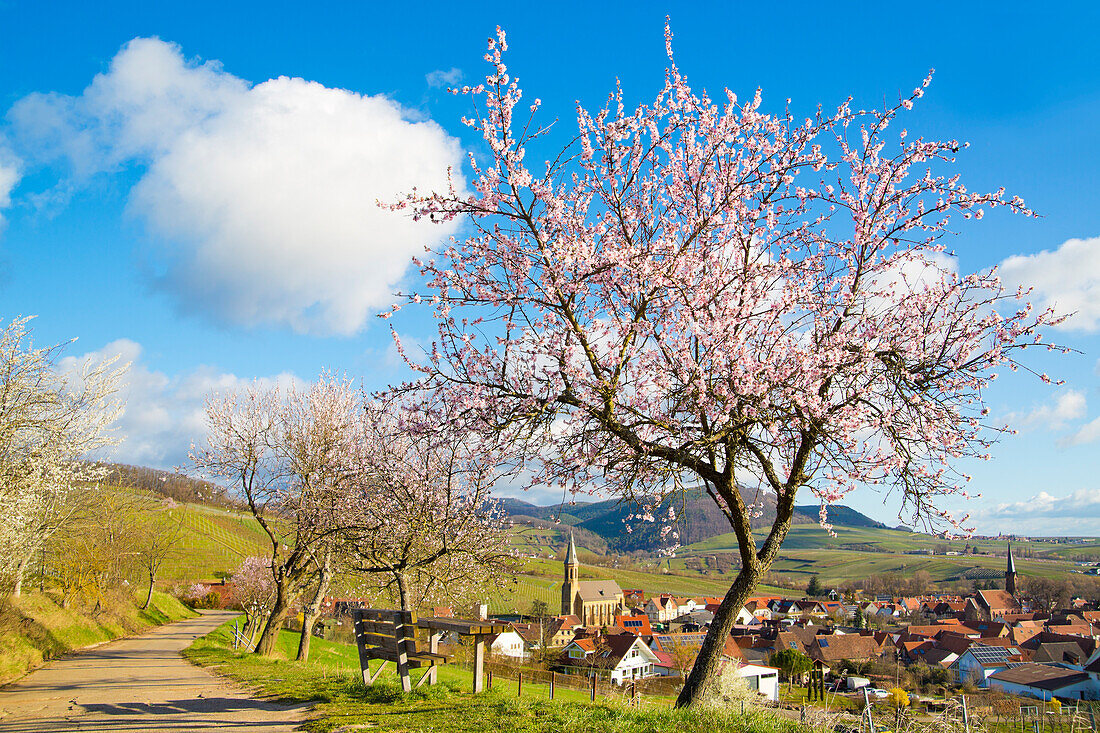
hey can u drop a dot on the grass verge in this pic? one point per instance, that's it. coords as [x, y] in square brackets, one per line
[34, 628]
[331, 680]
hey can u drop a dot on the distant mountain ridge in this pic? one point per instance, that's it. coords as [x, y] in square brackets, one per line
[697, 518]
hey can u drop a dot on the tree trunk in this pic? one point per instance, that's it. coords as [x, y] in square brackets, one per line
[20, 571]
[149, 595]
[265, 647]
[402, 591]
[710, 654]
[309, 617]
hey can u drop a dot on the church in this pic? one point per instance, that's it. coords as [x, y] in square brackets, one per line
[994, 605]
[594, 602]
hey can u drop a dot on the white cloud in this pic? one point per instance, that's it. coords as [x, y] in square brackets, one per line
[9, 177]
[1068, 405]
[264, 196]
[163, 415]
[1083, 503]
[1067, 279]
[440, 78]
[1087, 433]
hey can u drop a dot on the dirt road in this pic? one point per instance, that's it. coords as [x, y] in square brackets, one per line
[139, 684]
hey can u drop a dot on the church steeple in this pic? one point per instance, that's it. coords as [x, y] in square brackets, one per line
[1010, 573]
[570, 587]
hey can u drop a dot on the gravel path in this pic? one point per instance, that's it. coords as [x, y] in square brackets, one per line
[139, 684]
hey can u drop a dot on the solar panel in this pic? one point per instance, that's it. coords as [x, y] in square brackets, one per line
[992, 654]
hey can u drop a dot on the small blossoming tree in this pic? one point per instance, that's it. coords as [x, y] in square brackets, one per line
[424, 524]
[290, 455]
[699, 290]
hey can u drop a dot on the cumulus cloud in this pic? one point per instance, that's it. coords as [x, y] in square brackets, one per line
[263, 196]
[9, 177]
[440, 78]
[1087, 433]
[162, 415]
[1068, 405]
[1083, 503]
[1067, 279]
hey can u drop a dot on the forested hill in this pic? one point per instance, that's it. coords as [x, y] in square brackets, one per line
[841, 515]
[698, 518]
[183, 489]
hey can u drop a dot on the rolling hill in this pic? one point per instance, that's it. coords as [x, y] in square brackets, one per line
[698, 518]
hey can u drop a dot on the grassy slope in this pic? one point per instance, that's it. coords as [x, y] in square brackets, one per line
[215, 540]
[331, 680]
[35, 629]
[810, 550]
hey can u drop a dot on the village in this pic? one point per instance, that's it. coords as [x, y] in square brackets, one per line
[864, 647]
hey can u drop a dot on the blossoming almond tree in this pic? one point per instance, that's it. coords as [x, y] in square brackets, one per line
[52, 423]
[698, 290]
[426, 525]
[290, 454]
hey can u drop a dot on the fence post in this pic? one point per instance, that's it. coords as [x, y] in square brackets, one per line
[593, 695]
[489, 679]
[552, 685]
[519, 684]
[966, 716]
[633, 692]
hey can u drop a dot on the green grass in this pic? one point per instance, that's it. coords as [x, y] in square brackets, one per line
[35, 629]
[331, 680]
[215, 540]
[858, 552]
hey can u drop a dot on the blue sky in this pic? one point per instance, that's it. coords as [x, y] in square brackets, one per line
[140, 213]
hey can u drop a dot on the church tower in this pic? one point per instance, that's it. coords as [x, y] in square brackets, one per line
[1010, 573]
[571, 585]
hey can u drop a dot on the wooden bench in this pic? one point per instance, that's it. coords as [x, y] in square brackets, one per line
[390, 636]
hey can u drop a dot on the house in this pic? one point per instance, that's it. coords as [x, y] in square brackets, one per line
[661, 609]
[980, 661]
[618, 658]
[1045, 682]
[760, 678]
[533, 633]
[668, 643]
[758, 607]
[562, 629]
[637, 625]
[1065, 653]
[691, 621]
[595, 602]
[990, 605]
[509, 644]
[835, 648]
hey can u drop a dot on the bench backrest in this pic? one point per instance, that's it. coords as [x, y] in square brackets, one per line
[385, 633]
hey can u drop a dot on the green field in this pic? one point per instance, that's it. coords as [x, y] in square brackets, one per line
[217, 540]
[857, 552]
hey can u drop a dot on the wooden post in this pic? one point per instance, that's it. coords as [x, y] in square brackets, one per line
[633, 692]
[433, 647]
[364, 659]
[479, 661]
[519, 685]
[552, 685]
[404, 623]
[593, 696]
